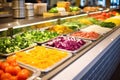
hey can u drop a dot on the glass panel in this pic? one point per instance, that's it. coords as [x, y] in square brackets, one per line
[114, 4]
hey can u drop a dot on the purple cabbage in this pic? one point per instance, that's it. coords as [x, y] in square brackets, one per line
[68, 43]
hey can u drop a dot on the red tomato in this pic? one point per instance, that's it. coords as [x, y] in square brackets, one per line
[23, 74]
[0, 64]
[13, 78]
[16, 70]
[11, 59]
[4, 65]
[102, 19]
[1, 72]
[5, 76]
[5, 79]
[107, 15]
[110, 13]
[114, 12]
[14, 64]
[9, 69]
[103, 13]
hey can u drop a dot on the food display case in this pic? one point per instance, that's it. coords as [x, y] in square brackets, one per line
[77, 65]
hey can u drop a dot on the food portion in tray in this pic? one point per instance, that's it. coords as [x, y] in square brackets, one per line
[68, 43]
[97, 29]
[10, 69]
[86, 35]
[10, 45]
[61, 29]
[74, 25]
[42, 58]
[38, 36]
[115, 20]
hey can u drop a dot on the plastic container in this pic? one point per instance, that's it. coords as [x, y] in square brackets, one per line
[40, 8]
[29, 6]
[29, 12]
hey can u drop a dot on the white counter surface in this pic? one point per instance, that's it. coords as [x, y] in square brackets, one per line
[89, 58]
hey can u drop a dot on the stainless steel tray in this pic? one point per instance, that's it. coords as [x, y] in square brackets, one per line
[88, 42]
[51, 67]
[9, 54]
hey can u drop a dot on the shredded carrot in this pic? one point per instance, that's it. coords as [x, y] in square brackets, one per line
[41, 57]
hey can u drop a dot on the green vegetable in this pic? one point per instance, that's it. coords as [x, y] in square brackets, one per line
[38, 36]
[94, 21]
[108, 24]
[75, 8]
[42, 36]
[72, 25]
[24, 40]
[9, 45]
[53, 10]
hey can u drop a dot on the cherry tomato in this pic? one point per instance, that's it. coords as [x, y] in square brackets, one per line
[9, 69]
[103, 13]
[13, 78]
[23, 74]
[0, 64]
[107, 15]
[14, 64]
[16, 70]
[1, 72]
[4, 65]
[5, 76]
[114, 12]
[11, 59]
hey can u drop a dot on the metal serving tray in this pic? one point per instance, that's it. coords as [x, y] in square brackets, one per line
[88, 42]
[9, 54]
[51, 67]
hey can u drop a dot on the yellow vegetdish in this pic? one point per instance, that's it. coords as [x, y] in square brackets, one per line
[41, 57]
[115, 20]
[85, 21]
[61, 29]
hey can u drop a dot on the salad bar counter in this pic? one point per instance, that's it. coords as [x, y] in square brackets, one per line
[52, 48]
